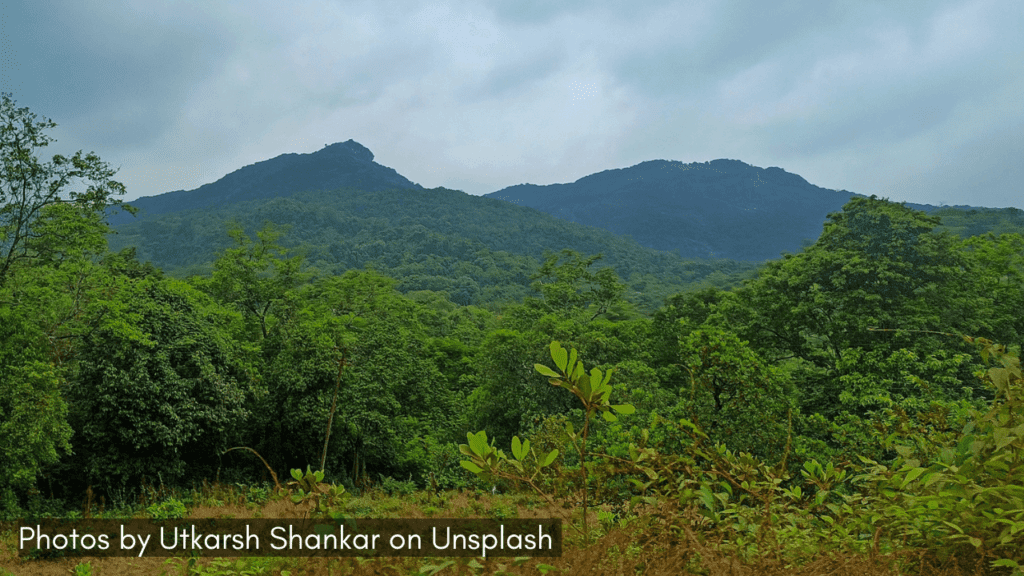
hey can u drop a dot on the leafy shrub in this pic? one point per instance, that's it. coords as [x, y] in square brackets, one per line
[970, 498]
[593, 391]
[170, 509]
[393, 487]
[309, 490]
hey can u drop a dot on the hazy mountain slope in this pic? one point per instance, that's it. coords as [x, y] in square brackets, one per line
[351, 211]
[718, 209]
[476, 249]
[340, 165]
[723, 208]
[965, 221]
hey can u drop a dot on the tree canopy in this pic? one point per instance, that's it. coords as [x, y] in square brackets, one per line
[41, 219]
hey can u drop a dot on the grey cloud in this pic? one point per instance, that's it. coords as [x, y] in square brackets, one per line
[105, 72]
[867, 95]
[508, 78]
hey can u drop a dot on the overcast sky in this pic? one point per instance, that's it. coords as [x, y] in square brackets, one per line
[919, 101]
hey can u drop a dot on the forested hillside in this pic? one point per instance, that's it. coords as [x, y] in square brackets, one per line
[854, 399]
[967, 222]
[717, 209]
[340, 165]
[721, 209]
[472, 250]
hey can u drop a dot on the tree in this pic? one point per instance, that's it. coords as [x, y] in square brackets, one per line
[256, 276]
[733, 395]
[56, 231]
[509, 395]
[156, 391]
[999, 274]
[877, 265]
[33, 414]
[571, 286]
[33, 196]
[682, 314]
[860, 321]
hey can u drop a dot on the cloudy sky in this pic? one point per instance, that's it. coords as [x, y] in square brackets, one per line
[919, 101]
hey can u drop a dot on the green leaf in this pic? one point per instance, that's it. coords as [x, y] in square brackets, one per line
[559, 355]
[431, 569]
[911, 476]
[549, 458]
[471, 466]
[1002, 442]
[517, 448]
[577, 371]
[904, 451]
[584, 385]
[624, 408]
[608, 416]
[707, 498]
[546, 371]
[596, 381]
[953, 526]
[478, 442]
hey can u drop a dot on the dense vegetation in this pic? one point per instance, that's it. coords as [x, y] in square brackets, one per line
[474, 250]
[841, 369]
[980, 221]
[724, 208]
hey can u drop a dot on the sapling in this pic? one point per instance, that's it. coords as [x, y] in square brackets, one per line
[593, 391]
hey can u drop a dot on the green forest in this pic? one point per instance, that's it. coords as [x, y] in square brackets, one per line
[861, 397]
[477, 251]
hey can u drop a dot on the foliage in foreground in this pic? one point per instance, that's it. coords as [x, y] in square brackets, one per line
[952, 496]
[953, 499]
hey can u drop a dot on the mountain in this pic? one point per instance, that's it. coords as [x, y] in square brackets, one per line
[717, 209]
[341, 165]
[474, 250]
[722, 208]
[691, 225]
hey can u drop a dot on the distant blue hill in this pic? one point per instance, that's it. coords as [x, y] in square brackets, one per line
[718, 209]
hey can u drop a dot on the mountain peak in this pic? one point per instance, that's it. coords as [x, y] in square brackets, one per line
[349, 147]
[340, 165]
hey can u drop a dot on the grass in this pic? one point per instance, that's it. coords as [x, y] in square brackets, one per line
[621, 545]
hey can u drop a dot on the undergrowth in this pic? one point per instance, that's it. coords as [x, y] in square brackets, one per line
[946, 505]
